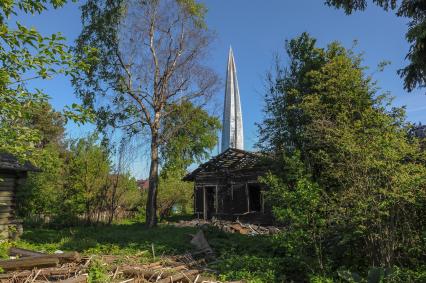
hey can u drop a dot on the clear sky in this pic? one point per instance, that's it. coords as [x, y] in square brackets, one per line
[257, 29]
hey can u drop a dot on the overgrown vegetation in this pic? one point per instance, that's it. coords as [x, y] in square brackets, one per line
[347, 179]
[349, 182]
[27, 55]
[78, 182]
[253, 258]
[122, 238]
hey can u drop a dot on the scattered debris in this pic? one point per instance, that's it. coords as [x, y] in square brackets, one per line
[231, 226]
[71, 267]
[199, 241]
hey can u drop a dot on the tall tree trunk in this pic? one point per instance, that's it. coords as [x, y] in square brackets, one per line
[151, 205]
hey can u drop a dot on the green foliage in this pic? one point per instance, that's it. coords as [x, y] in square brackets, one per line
[4, 249]
[25, 55]
[86, 175]
[348, 181]
[194, 134]
[98, 272]
[143, 68]
[125, 239]
[252, 268]
[320, 279]
[174, 195]
[415, 10]
[41, 194]
[255, 258]
[108, 32]
[48, 122]
[196, 9]
[75, 183]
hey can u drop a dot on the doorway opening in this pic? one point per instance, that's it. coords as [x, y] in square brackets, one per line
[255, 197]
[210, 194]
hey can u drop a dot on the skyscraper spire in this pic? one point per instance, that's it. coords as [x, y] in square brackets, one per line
[232, 133]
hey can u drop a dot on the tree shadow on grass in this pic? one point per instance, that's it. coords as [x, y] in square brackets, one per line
[113, 239]
[136, 237]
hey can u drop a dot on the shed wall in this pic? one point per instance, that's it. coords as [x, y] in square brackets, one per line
[9, 182]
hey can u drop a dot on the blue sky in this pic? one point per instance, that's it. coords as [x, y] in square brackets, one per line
[257, 30]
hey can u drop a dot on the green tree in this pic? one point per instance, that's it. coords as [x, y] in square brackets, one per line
[345, 158]
[174, 195]
[49, 123]
[26, 55]
[193, 135]
[86, 178]
[40, 198]
[414, 73]
[149, 56]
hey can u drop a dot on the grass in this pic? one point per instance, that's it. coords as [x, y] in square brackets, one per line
[117, 239]
[239, 256]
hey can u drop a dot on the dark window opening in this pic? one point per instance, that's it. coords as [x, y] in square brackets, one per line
[210, 201]
[255, 197]
[199, 200]
[239, 201]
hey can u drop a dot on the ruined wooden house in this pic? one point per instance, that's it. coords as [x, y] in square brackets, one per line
[12, 176]
[227, 187]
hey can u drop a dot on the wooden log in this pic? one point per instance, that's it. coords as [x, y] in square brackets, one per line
[64, 257]
[5, 208]
[23, 252]
[6, 220]
[21, 274]
[79, 279]
[240, 229]
[7, 180]
[144, 273]
[7, 188]
[150, 273]
[47, 272]
[6, 185]
[6, 193]
[7, 199]
[180, 277]
[28, 263]
[153, 265]
[40, 261]
[7, 175]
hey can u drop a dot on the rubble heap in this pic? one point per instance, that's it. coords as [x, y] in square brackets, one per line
[71, 267]
[230, 226]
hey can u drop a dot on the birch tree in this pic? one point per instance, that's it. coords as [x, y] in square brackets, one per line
[149, 55]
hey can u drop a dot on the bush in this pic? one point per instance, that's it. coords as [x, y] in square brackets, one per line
[348, 181]
[98, 272]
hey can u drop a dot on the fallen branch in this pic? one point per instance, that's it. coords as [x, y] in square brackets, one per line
[28, 263]
[23, 252]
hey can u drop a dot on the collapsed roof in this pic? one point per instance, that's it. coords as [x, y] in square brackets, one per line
[231, 160]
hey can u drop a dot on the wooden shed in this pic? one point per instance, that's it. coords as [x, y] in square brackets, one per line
[12, 176]
[227, 187]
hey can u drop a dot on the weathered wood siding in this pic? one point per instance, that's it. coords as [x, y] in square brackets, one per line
[9, 183]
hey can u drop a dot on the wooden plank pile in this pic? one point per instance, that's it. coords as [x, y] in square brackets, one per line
[71, 267]
[231, 226]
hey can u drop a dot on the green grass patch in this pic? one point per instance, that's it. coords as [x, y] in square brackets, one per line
[239, 256]
[117, 239]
